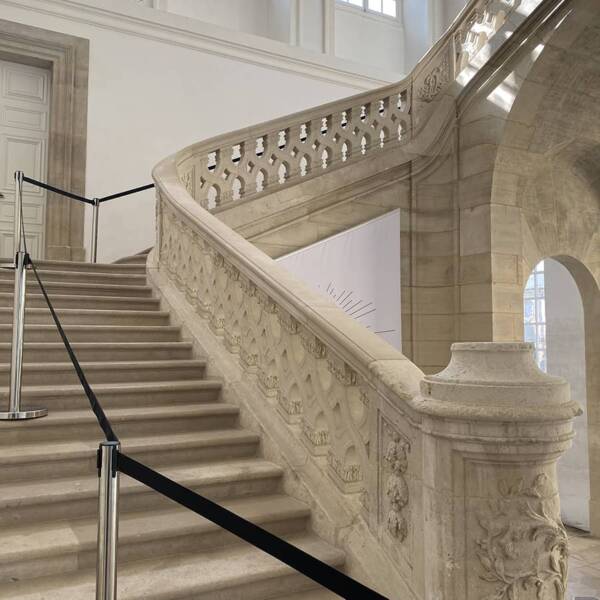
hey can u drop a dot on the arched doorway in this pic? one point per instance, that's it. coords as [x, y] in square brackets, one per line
[560, 325]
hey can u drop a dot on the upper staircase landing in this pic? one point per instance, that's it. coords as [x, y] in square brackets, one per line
[289, 182]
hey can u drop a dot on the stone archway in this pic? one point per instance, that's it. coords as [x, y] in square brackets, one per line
[562, 331]
[589, 291]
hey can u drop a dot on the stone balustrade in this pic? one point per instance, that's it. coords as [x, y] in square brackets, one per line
[260, 160]
[453, 474]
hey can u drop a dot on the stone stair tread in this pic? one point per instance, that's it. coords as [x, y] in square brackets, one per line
[75, 285]
[68, 274]
[49, 450]
[24, 543]
[53, 297]
[93, 326]
[102, 345]
[319, 594]
[91, 311]
[60, 265]
[54, 490]
[120, 365]
[59, 418]
[125, 387]
[201, 575]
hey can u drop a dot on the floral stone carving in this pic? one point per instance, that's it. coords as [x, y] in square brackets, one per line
[396, 456]
[523, 550]
[435, 82]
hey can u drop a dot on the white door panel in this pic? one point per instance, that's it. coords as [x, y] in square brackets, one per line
[25, 83]
[24, 114]
[23, 118]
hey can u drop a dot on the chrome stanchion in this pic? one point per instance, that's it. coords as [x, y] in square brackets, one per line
[108, 522]
[94, 249]
[15, 412]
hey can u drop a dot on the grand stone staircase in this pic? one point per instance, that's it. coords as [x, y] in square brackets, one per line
[168, 415]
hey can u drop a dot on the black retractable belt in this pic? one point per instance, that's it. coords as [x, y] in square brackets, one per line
[308, 565]
[57, 190]
[127, 192]
[96, 406]
[301, 561]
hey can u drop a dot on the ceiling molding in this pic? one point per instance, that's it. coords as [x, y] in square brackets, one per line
[177, 30]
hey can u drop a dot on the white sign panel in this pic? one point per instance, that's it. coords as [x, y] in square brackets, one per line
[359, 270]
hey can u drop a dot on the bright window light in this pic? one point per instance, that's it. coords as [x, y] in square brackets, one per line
[389, 8]
[534, 313]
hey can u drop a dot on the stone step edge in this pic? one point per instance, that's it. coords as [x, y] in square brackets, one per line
[250, 469]
[184, 577]
[151, 527]
[50, 451]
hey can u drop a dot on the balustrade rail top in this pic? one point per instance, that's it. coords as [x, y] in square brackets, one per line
[278, 123]
[358, 346]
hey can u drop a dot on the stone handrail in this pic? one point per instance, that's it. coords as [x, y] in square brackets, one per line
[258, 160]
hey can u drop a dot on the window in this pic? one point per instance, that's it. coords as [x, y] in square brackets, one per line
[389, 8]
[534, 311]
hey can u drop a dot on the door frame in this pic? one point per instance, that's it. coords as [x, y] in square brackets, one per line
[67, 59]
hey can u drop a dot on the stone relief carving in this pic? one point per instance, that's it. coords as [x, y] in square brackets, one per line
[523, 547]
[396, 490]
[435, 82]
[187, 179]
[347, 473]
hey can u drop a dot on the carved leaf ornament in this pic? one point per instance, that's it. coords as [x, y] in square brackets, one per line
[523, 551]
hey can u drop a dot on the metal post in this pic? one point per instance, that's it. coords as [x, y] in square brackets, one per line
[94, 250]
[15, 413]
[108, 522]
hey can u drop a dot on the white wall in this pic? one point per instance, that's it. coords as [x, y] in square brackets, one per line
[566, 358]
[369, 39]
[359, 270]
[148, 98]
[251, 16]
[280, 19]
[424, 23]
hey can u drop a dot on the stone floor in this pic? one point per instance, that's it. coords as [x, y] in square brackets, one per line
[584, 566]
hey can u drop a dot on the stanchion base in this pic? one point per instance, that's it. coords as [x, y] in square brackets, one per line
[21, 415]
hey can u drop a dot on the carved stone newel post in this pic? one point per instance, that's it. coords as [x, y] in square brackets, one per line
[494, 426]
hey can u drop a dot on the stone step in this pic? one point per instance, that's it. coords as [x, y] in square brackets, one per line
[60, 265]
[81, 424]
[54, 286]
[59, 373]
[135, 260]
[100, 351]
[73, 498]
[81, 301]
[201, 576]
[77, 316]
[69, 276]
[98, 333]
[69, 458]
[120, 395]
[318, 594]
[67, 546]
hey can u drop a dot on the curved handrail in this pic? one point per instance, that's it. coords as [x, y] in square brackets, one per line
[254, 161]
[331, 326]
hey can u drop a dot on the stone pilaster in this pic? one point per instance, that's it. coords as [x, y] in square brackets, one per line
[494, 426]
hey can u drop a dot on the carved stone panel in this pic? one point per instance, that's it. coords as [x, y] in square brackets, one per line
[521, 544]
[394, 493]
